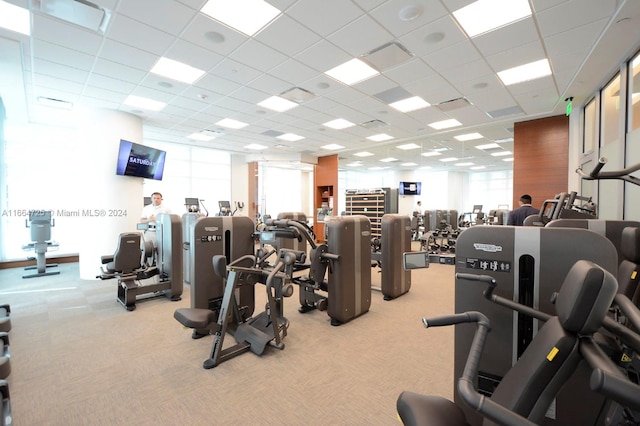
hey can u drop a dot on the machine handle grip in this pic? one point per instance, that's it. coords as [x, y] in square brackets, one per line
[462, 318]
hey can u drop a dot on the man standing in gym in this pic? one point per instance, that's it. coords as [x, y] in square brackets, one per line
[149, 213]
[517, 216]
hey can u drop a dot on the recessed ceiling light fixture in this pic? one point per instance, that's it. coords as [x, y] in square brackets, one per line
[488, 146]
[276, 103]
[468, 137]
[144, 103]
[231, 123]
[502, 153]
[483, 16]
[464, 164]
[410, 104]
[255, 147]
[445, 124]
[291, 137]
[409, 164]
[389, 160]
[448, 159]
[408, 146]
[352, 72]
[332, 147]
[430, 154]
[247, 16]
[15, 18]
[176, 70]
[477, 168]
[339, 124]
[363, 154]
[526, 72]
[381, 137]
[508, 159]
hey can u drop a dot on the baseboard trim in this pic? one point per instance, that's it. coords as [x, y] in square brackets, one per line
[24, 263]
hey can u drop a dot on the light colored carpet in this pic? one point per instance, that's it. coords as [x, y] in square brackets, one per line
[79, 358]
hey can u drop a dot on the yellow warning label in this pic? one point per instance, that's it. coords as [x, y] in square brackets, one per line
[633, 275]
[552, 353]
[625, 358]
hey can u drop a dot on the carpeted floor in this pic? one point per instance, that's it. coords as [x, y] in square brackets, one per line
[79, 358]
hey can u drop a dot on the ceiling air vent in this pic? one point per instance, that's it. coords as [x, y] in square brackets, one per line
[452, 104]
[374, 124]
[78, 12]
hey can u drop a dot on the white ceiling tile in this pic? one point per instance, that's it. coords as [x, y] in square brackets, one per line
[255, 52]
[166, 15]
[280, 35]
[326, 16]
[391, 13]
[507, 38]
[361, 36]
[69, 36]
[127, 31]
[193, 55]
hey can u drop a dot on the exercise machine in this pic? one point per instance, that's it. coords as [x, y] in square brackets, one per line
[338, 277]
[144, 271]
[40, 223]
[532, 384]
[565, 205]
[254, 334]
[528, 264]
[388, 254]
[229, 236]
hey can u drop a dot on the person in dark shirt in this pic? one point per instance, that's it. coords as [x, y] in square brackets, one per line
[517, 216]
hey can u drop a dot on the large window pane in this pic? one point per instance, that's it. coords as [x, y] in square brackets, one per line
[590, 128]
[634, 93]
[610, 119]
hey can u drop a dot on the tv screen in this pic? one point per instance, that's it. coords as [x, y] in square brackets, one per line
[410, 188]
[140, 161]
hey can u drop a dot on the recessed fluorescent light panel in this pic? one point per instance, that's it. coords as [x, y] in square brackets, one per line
[409, 164]
[525, 72]
[15, 18]
[363, 154]
[445, 124]
[176, 70]
[483, 16]
[468, 137]
[255, 146]
[339, 124]
[448, 159]
[430, 154]
[355, 164]
[231, 123]
[389, 160]
[502, 153]
[488, 146]
[463, 164]
[411, 104]
[408, 146]
[352, 72]
[477, 168]
[144, 103]
[291, 137]
[332, 146]
[276, 103]
[508, 159]
[198, 136]
[380, 137]
[247, 16]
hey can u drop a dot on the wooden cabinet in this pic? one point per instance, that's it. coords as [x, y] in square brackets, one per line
[373, 203]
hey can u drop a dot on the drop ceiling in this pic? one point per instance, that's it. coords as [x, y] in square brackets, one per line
[422, 50]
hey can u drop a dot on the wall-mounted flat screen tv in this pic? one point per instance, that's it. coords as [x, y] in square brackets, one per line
[140, 161]
[410, 188]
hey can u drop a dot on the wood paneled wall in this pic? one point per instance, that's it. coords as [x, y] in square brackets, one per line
[541, 157]
[253, 170]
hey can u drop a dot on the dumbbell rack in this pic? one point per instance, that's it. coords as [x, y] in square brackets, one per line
[440, 244]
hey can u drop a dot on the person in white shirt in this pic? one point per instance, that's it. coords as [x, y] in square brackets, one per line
[149, 213]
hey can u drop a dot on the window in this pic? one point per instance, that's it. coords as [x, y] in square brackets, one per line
[634, 93]
[590, 127]
[610, 112]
